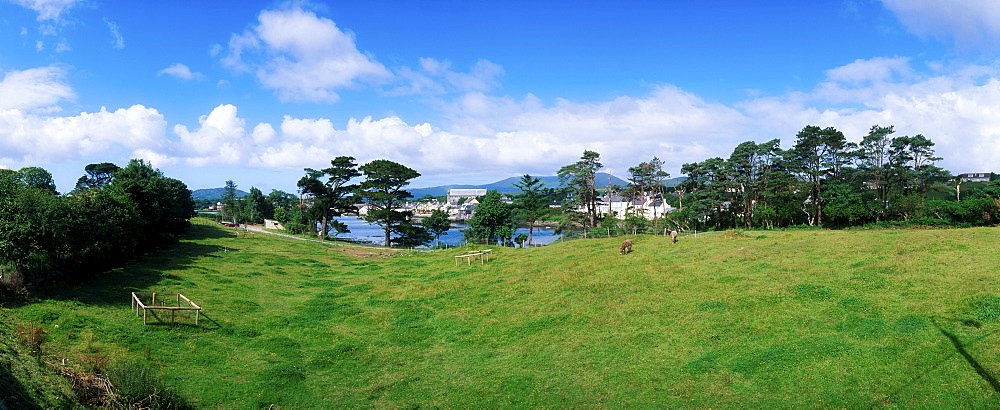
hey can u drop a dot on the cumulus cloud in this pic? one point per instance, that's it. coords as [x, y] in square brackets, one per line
[968, 22]
[182, 72]
[28, 139]
[301, 56]
[483, 135]
[36, 89]
[493, 135]
[956, 107]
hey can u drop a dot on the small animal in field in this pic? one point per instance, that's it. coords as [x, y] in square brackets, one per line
[626, 247]
[673, 236]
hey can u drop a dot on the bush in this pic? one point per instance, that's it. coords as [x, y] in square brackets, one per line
[137, 385]
[33, 337]
[734, 233]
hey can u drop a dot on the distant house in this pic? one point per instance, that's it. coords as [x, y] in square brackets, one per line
[273, 224]
[620, 206]
[454, 195]
[975, 177]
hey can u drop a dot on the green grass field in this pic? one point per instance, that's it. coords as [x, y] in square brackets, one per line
[904, 318]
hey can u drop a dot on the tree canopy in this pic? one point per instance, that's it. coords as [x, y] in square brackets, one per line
[48, 239]
[492, 221]
[382, 190]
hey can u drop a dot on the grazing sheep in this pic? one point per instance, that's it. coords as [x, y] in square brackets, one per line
[673, 236]
[626, 247]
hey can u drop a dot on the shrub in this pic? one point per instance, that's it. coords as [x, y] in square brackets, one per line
[138, 386]
[734, 233]
[33, 337]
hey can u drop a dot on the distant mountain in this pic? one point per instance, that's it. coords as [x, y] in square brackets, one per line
[212, 194]
[507, 185]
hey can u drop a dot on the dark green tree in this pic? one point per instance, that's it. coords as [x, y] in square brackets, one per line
[492, 220]
[707, 189]
[530, 204]
[165, 204]
[579, 178]
[752, 169]
[30, 224]
[254, 208]
[817, 156]
[98, 176]
[383, 191]
[332, 197]
[411, 236]
[37, 178]
[437, 224]
[520, 239]
[230, 202]
[879, 168]
[646, 181]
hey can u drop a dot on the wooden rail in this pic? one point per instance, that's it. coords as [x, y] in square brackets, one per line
[483, 256]
[137, 304]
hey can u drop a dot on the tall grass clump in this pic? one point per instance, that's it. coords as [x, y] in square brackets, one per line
[138, 386]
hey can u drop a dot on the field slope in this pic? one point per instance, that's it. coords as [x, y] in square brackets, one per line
[757, 319]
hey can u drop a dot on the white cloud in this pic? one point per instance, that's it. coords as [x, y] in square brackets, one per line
[182, 72]
[116, 35]
[27, 139]
[50, 18]
[221, 139]
[48, 10]
[435, 77]
[968, 22]
[956, 107]
[36, 89]
[301, 56]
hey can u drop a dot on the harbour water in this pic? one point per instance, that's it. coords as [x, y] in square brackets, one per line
[362, 231]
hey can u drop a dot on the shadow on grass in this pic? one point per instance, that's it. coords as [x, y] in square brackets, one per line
[13, 394]
[204, 321]
[115, 285]
[980, 370]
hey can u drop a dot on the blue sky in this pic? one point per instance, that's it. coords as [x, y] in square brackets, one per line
[474, 92]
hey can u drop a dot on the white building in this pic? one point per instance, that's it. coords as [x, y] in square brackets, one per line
[454, 195]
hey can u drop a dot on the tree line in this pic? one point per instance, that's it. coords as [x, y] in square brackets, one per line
[822, 180]
[111, 215]
[336, 190]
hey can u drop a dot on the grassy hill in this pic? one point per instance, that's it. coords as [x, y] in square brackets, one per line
[760, 319]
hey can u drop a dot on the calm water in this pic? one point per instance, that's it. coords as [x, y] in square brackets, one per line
[365, 232]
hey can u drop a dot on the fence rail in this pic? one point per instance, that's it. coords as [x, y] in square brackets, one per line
[138, 304]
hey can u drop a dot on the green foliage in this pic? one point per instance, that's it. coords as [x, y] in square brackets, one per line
[37, 178]
[98, 176]
[531, 204]
[332, 197]
[254, 208]
[137, 385]
[164, 204]
[48, 240]
[383, 191]
[436, 224]
[578, 179]
[492, 221]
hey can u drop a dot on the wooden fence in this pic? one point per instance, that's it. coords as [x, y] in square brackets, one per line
[164, 298]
